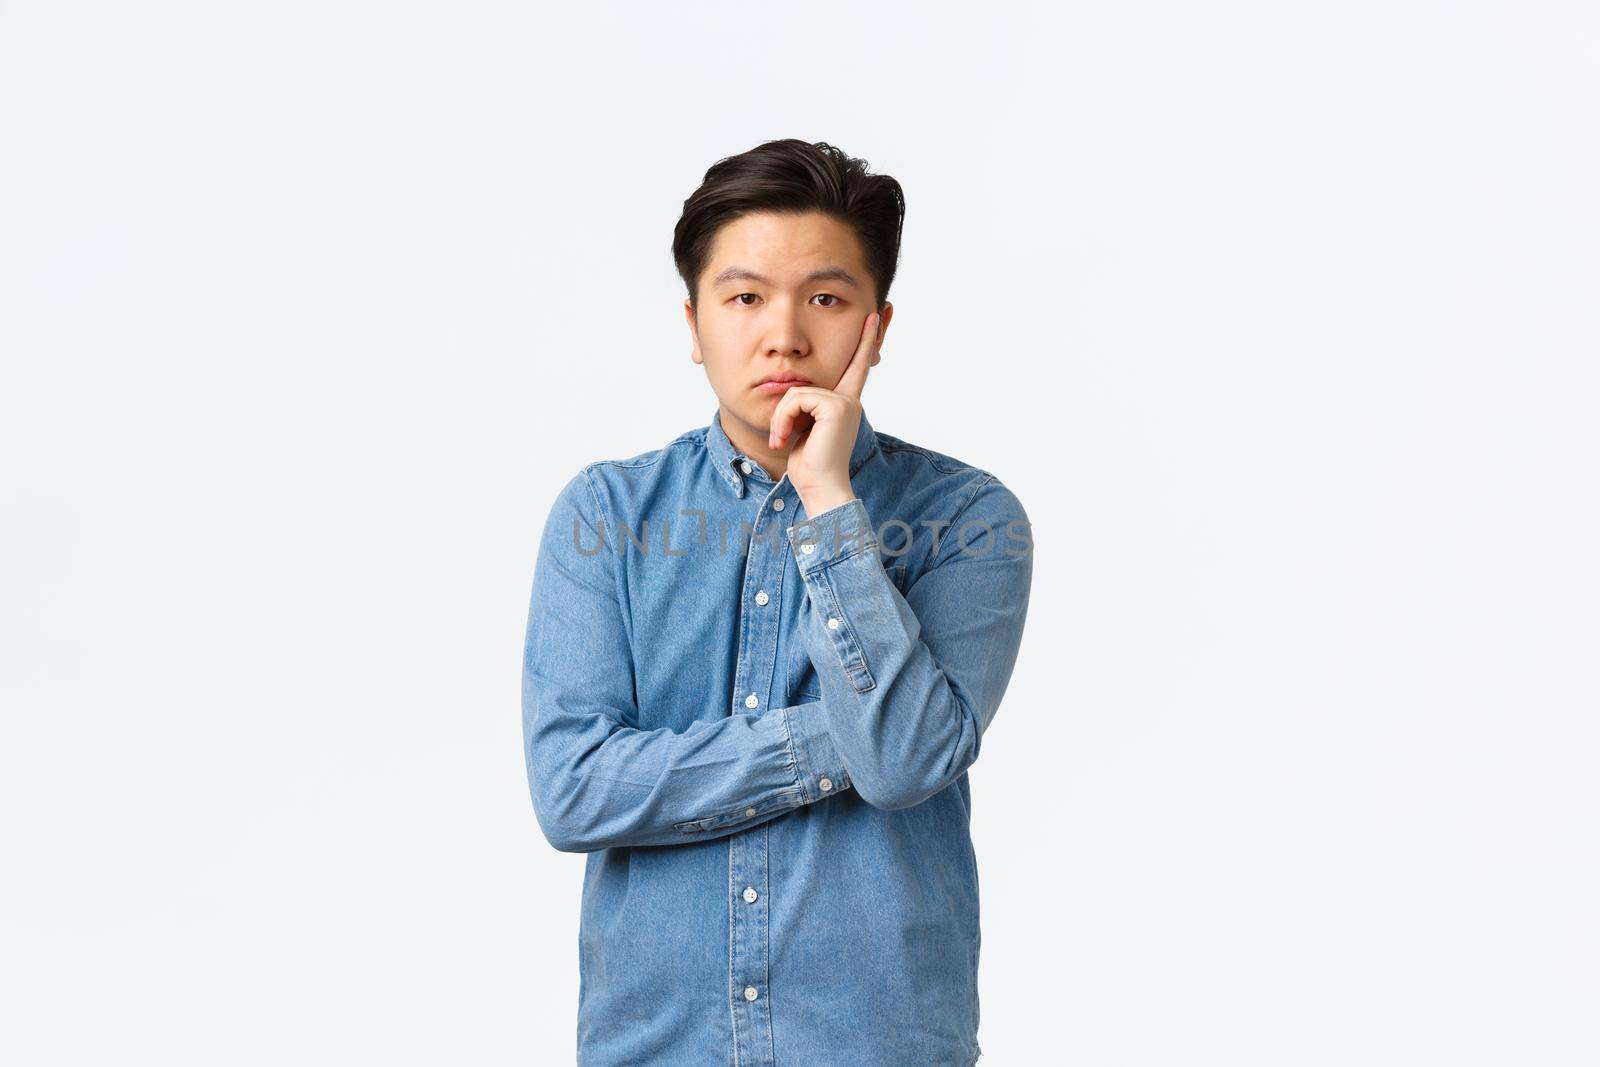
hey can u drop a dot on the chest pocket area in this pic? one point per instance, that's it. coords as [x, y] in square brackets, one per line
[804, 686]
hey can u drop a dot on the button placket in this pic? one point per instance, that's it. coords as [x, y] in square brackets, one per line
[763, 564]
[749, 956]
[748, 850]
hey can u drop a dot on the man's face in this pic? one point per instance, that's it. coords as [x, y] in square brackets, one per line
[781, 293]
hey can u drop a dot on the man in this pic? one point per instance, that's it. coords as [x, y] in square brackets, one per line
[757, 723]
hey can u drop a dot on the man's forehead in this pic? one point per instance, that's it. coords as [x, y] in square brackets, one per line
[738, 272]
[774, 248]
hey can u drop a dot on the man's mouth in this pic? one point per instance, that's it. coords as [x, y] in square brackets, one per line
[779, 383]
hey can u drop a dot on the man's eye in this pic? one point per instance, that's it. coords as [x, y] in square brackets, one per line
[753, 298]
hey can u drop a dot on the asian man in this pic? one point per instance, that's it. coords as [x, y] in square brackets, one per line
[761, 658]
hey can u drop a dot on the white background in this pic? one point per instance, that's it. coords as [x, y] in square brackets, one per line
[1280, 318]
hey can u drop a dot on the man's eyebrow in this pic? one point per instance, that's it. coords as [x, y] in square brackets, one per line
[821, 274]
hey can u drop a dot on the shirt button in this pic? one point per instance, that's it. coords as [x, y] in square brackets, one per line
[808, 548]
[833, 624]
[761, 596]
[750, 992]
[744, 465]
[751, 701]
[826, 784]
[749, 895]
[750, 812]
[777, 505]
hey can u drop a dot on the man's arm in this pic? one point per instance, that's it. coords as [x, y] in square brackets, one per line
[909, 684]
[597, 782]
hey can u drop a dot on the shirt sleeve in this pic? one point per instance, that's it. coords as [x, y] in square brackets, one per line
[910, 683]
[597, 782]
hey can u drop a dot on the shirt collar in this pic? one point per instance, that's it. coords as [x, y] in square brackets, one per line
[726, 457]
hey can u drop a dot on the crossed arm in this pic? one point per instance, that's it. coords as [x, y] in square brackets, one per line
[909, 684]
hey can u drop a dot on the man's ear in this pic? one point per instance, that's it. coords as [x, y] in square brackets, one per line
[883, 325]
[694, 334]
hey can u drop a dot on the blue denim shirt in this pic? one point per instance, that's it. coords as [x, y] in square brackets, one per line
[758, 724]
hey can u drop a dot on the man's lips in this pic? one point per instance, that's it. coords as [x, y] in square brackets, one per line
[779, 385]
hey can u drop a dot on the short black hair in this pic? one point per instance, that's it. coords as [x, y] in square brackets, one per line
[791, 176]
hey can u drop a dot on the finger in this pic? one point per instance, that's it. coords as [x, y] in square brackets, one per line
[794, 405]
[782, 418]
[855, 375]
[776, 423]
[796, 402]
[802, 434]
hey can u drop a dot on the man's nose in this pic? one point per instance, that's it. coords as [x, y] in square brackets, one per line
[786, 334]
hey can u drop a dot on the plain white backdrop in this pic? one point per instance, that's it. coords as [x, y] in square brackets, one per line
[1281, 320]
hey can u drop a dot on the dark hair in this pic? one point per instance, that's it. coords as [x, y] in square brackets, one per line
[793, 176]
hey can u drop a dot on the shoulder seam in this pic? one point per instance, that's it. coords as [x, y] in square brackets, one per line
[599, 507]
[896, 445]
[688, 437]
[977, 487]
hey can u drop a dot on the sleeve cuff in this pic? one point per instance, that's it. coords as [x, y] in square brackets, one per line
[840, 532]
[817, 762]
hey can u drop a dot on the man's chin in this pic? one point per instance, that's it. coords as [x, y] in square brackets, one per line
[758, 410]
[753, 411]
